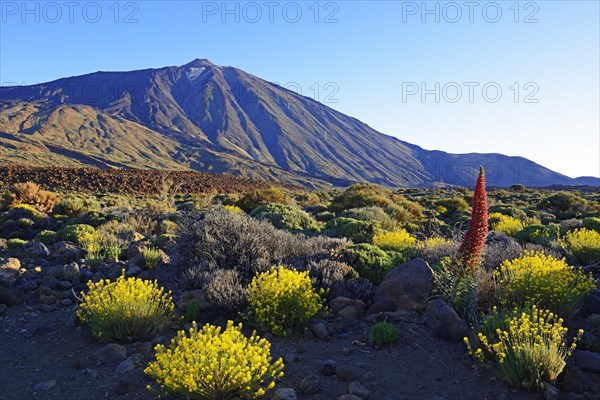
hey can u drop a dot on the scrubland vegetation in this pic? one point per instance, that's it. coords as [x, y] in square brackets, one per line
[276, 260]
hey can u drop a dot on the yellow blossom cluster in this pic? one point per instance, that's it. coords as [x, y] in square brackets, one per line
[583, 245]
[128, 309]
[536, 278]
[505, 223]
[210, 364]
[528, 346]
[394, 241]
[282, 300]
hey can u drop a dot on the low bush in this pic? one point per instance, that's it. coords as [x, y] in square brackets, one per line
[538, 234]
[151, 257]
[251, 200]
[505, 224]
[73, 233]
[285, 217]
[369, 261]
[74, 205]
[384, 333]
[457, 288]
[453, 205]
[582, 245]
[211, 364]
[361, 195]
[47, 237]
[29, 193]
[376, 214]
[126, 310]
[399, 240]
[352, 229]
[15, 243]
[566, 205]
[224, 241]
[527, 347]
[435, 248]
[591, 223]
[552, 284]
[282, 301]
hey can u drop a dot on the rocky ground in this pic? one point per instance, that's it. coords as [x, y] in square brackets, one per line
[46, 354]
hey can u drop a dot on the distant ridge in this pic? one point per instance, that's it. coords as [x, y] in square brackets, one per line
[210, 118]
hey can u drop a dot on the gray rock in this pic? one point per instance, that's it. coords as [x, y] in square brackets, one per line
[125, 366]
[328, 368]
[407, 286]
[445, 322]
[592, 304]
[133, 269]
[347, 308]
[578, 381]
[39, 250]
[47, 308]
[587, 360]
[66, 251]
[123, 387]
[9, 270]
[319, 330]
[13, 296]
[64, 285]
[69, 271]
[284, 394]
[197, 296]
[348, 397]
[290, 358]
[309, 385]
[345, 374]
[111, 354]
[357, 389]
[87, 374]
[47, 385]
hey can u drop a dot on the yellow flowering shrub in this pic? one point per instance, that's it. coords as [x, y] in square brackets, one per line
[282, 300]
[505, 223]
[92, 243]
[528, 347]
[583, 245]
[126, 310]
[210, 364]
[394, 241]
[233, 209]
[536, 278]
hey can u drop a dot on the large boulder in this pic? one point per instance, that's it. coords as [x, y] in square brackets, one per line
[9, 271]
[407, 286]
[445, 322]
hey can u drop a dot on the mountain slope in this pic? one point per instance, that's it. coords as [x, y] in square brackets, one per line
[220, 119]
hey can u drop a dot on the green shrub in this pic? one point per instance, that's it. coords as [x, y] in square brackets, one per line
[211, 364]
[566, 205]
[453, 205]
[126, 310]
[73, 205]
[535, 278]
[528, 349]
[369, 261]
[538, 234]
[582, 245]
[384, 333]
[72, 233]
[23, 211]
[355, 230]
[591, 223]
[377, 214]
[458, 289]
[151, 257]
[251, 200]
[361, 195]
[286, 217]
[282, 300]
[15, 243]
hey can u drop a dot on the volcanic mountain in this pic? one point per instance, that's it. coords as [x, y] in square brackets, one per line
[211, 118]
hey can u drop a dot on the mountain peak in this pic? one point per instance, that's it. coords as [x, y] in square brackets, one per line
[199, 63]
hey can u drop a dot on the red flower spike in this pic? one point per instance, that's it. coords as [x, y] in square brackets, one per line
[469, 253]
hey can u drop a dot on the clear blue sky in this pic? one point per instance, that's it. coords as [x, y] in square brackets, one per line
[368, 59]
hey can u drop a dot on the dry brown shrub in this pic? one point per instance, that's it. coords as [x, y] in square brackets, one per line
[29, 193]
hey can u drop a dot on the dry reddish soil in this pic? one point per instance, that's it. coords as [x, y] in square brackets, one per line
[128, 181]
